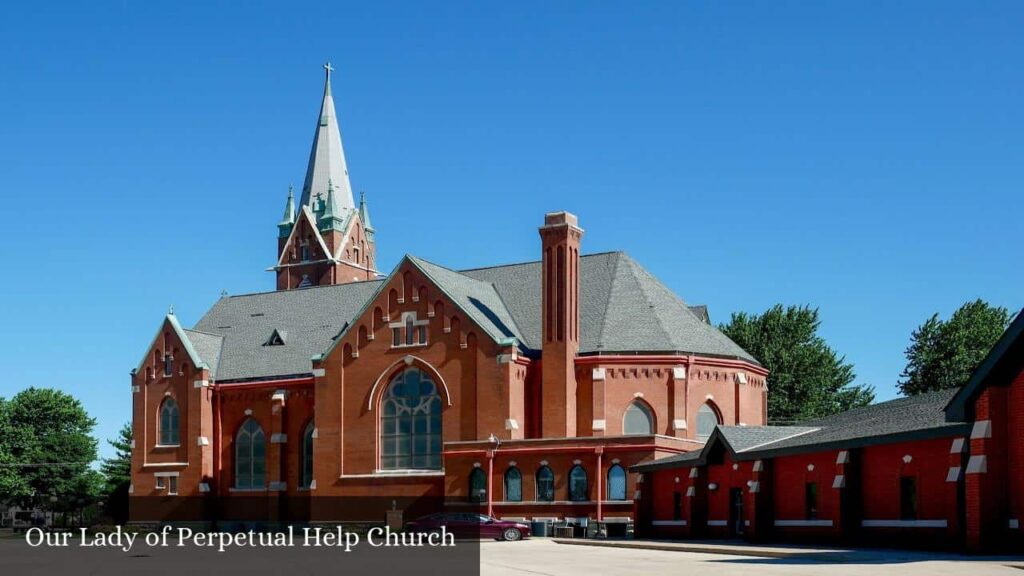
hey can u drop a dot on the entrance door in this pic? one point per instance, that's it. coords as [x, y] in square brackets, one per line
[736, 520]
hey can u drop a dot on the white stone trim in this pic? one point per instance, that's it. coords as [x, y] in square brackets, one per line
[958, 446]
[691, 491]
[981, 429]
[953, 475]
[166, 474]
[839, 481]
[803, 523]
[204, 487]
[978, 464]
[718, 522]
[506, 358]
[202, 441]
[133, 443]
[407, 360]
[511, 424]
[200, 383]
[679, 373]
[277, 486]
[278, 438]
[1014, 524]
[904, 524]
[755, 487]
[668, 523]
[597, 374]
[758, 466]
[694, 472]
[843, 457]
[319, 372]
[135, 389]
[741, 377]
[679, 424]
[599, 425]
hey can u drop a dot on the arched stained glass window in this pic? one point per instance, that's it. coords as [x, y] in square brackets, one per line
[307, 457]
[578, 484]
[545, 484]
[638, 419]
[169, 423]
[616, 483]
[477, 486]
[250, 456]
[707, 419]
[410, 423]
[513, 485]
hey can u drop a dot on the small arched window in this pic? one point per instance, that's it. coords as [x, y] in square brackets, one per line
[307, 457]
[578, 484]
[513, 485]
[169, 423]
[250, 457]
[477, 486]
[545, 484]
[638, 419]
[707, 419]
[616, 483]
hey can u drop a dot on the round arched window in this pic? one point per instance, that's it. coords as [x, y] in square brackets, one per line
[410, 422]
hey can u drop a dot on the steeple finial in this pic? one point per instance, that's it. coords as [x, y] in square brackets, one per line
[288, 218]
[364, 215]
[327, 157]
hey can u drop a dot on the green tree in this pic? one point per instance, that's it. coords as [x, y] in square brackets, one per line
[807, 379]
[13, 487]
[52, 447]
[943, 353]
[117, 475]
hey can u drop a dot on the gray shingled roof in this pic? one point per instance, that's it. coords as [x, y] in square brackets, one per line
[921, 416]
[311, 317]
[623, 308]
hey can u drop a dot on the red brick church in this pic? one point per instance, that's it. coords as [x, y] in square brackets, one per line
[523, 390]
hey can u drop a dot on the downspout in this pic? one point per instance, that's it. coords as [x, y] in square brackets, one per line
[600, 484]
[490, 482]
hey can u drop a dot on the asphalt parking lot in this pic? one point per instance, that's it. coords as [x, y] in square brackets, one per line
[544, 557]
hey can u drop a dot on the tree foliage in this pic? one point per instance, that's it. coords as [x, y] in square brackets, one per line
[117, 474]
[806, 379]
[943, 353]
[47, 437]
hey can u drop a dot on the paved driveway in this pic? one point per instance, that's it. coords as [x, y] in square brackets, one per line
[544, 557]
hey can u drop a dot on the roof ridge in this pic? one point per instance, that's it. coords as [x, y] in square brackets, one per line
[250, 294]
[526, 262]
[203, 332]
[510, 315]
[804, 430]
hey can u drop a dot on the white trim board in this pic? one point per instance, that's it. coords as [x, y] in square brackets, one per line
[668, 523]
[904, 523]
[803, 523]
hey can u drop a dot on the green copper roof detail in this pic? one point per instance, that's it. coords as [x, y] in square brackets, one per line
[364, 214]
[331, 217]
[288, 218]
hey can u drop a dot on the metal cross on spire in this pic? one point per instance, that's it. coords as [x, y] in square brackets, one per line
[328, 68]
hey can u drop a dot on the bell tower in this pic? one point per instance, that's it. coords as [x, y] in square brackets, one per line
[326, 239]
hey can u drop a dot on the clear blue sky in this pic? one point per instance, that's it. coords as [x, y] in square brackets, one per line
[862, 157]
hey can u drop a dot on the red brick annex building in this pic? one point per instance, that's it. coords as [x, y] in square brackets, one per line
[525, 390]
[944, 469]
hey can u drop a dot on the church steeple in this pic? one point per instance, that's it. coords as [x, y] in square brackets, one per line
[288, 219]
[327, 158]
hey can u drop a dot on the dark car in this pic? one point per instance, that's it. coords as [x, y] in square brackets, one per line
[470, 525]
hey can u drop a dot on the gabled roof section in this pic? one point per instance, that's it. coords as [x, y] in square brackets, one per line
[327, 157]
[1004, 361]
[479, 300]
[182, 335]
[208, 346]
[305, 213]
[311, 318]
[914, 418]
[623, 308]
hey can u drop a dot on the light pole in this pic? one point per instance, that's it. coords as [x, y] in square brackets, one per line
[493, 439]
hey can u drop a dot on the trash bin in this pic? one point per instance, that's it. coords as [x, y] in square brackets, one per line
[539, 528]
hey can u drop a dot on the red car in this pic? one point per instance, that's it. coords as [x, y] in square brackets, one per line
[471, 525]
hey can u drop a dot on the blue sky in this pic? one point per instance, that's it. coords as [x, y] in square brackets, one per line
[862, 157]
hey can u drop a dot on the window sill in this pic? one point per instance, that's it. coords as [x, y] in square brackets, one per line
[166, 446]
[396, 474]
[247, 489]
[393, 346]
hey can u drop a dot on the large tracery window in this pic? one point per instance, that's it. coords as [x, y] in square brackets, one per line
[638, 419]
[250, 457]
[707, 419]
[410, 423]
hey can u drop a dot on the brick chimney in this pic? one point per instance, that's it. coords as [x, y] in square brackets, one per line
[560, 242]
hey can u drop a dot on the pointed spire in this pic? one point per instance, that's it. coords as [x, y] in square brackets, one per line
[331, 217]
[327, 157]
[284, 227]
[364, 215]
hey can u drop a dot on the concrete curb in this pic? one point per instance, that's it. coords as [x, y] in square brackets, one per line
[709, 549]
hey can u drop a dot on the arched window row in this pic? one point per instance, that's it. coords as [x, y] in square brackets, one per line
[578, 489]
